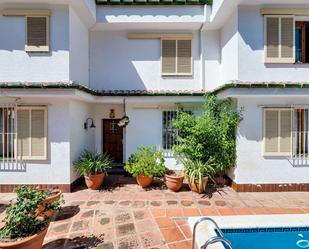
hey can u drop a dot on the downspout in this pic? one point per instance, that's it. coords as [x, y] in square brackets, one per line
[207, 11]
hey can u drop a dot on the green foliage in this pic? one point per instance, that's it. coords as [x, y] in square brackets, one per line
[210, 136]
[197, 170]
[148, 161]
[22, 216]
[92, 163]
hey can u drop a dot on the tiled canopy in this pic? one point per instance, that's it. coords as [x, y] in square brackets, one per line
[189, 2]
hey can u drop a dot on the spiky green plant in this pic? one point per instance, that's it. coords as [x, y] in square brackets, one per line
[197, 170]
[92, 163]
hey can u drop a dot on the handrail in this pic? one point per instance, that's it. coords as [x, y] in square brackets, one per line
[201, 220]
[217, 239]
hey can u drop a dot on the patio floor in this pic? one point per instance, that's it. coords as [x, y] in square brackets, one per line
[123, 216]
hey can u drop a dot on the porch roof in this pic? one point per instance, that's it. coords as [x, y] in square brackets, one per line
[153, 2]
[229, 85]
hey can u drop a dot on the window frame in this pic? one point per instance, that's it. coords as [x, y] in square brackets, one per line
[38, 49]
[280, 59]
[279, 153]
[30, 108]
[164, 129]
[176, 63]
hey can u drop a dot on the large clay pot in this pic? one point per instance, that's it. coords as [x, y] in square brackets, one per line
[174, 183]
[33, 242]
[195, 186]
[94, 181]
[144, 181]
[55, 197]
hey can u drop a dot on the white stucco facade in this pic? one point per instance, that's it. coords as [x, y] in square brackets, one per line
[89, 46]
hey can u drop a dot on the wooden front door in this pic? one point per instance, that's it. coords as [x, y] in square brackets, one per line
[112, 139]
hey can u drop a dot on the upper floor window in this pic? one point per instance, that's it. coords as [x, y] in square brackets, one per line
[279, 39]
[37, 28]
[37, 34]
[176, 57]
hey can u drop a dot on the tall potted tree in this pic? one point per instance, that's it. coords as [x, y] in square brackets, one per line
[210, 135]
[145, 164]
[25, 227]
[93, 166]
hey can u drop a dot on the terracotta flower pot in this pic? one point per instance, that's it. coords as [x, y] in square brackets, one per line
[55, 197]
[33, 242]
[196, 188]
[174, 183]
[144, 181]
[94, 181]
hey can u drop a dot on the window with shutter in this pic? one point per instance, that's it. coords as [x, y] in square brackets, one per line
[278, 132]
[37, 34]
[279, 39]
[176, 57]
[32, 133]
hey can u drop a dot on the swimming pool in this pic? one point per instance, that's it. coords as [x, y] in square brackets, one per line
[268, 238]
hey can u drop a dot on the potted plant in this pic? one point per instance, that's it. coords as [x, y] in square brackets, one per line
[198, 174]
[93, 166]
[174, 180]
[53, 196]
[24, 227]
[146, 164]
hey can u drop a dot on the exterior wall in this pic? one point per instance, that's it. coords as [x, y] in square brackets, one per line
[212, 57]
[229, 48]
[56, 169]
[80, 139]
[34, 67]
[251, 52]
[119, 63]
[252, 166]
[79, 50]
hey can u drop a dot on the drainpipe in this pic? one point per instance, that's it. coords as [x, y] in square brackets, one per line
[207, 11]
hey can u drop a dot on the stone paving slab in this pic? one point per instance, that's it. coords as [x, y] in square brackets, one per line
[123, 216]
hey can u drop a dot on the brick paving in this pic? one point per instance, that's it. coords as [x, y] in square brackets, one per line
[123, 216]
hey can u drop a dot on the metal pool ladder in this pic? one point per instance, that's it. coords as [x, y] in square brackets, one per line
[211, 240]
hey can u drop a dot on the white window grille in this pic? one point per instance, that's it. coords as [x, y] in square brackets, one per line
[8, 136]
[169, 133]
[300, 139]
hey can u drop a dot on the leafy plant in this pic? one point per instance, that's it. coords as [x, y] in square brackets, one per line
[22, 216]
[148, 161]
[197, 170]
[210, 136]
[92, 163]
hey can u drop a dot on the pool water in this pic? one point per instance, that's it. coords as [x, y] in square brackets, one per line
[268, 238]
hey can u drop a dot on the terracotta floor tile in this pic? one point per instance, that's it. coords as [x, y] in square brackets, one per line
[226, 211]
[209, 211]
[260, 211]
[277, 211]
[181, 222]
[243, 211]
[158, 212]
[181, 245]
[191, 212]
[164, 222]
[174, 212]
[186, 231]
[172, 234]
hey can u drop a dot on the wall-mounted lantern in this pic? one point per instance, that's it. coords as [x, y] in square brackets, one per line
[86, 124]
[112, 113]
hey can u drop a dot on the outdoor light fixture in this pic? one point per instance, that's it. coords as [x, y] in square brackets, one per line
[86, 124]
[124, 121]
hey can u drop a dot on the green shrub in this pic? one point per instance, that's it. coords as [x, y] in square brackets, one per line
[210, 136]
[148, 161]
[92, 163]
[22, 216]
[197, 170]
